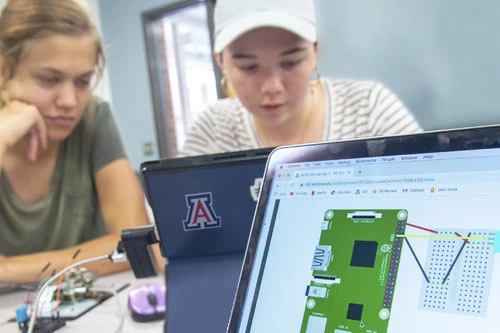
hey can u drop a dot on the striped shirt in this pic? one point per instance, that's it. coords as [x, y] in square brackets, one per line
[354, 109]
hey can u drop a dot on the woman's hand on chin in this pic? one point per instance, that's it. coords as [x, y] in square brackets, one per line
[19, 120]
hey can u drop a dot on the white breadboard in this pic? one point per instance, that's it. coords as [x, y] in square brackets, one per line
[459, 272]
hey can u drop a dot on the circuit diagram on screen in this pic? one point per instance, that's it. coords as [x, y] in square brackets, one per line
[355, 266]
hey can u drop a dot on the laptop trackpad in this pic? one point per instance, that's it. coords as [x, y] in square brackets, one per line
[200, 292]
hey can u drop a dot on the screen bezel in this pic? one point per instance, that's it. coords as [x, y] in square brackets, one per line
[428, 142]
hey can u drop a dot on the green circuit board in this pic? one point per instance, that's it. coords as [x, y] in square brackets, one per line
[354, 270]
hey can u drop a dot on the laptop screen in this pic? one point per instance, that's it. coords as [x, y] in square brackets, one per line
[378, 235]
[202, 205]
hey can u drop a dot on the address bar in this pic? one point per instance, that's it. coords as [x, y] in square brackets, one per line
[385, 181]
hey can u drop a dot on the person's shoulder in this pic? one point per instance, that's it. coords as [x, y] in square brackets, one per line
[224, 110]
[346, 85]
[225, 105]
[350, 93]
[98, 118]
[360, 91]
[100, 106]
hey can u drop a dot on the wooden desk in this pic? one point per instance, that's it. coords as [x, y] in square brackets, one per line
[103, 318]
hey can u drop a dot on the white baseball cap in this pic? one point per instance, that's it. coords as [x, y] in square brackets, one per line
[232, 18]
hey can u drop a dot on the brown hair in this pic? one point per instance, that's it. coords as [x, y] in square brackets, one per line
[23, 21]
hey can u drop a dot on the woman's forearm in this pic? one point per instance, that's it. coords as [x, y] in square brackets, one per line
[24, 268]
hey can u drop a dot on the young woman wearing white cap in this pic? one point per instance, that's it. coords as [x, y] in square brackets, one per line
[268, 51]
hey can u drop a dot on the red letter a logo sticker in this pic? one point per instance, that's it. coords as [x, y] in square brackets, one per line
[200, 214]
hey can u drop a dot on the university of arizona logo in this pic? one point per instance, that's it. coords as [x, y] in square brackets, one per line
[201, 214]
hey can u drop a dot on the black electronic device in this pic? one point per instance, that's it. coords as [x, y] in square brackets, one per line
[136, 243]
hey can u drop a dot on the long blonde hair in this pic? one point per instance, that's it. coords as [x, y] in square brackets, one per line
[23, 21]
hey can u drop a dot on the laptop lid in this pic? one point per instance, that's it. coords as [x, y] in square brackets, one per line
[204, 205]
[395, 234]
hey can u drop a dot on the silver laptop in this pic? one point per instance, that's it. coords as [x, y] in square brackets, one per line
[396, 234]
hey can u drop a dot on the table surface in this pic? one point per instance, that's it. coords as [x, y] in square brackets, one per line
[105, 317]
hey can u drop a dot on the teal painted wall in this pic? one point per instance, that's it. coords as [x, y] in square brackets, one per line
[440, 57]
[123, 35]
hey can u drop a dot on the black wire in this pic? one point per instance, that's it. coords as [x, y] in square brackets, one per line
[456, 258]
[418, 261]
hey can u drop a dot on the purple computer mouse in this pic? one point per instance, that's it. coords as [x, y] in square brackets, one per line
[146, 302]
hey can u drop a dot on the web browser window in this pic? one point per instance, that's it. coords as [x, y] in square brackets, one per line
[404, 243]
